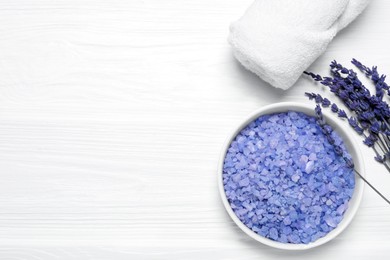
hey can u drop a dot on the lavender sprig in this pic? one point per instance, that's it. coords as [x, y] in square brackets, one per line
[339, 151]
[370, 114]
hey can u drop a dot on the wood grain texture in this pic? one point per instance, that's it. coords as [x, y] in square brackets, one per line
[112, 118]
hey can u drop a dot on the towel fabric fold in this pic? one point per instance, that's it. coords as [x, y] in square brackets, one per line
[279, 39]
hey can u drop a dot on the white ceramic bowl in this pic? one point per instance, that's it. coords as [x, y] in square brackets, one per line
[352, 147]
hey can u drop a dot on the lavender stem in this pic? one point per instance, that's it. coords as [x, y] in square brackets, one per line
[372, 187]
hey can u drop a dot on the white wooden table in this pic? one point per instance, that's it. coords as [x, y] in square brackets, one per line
[112, 117]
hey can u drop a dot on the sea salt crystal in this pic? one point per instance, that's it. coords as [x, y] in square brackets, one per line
[274, 118]
[273, 143]
[330, 221]
[304, 158]
[287, 221]
[295, 177]
[340, 210]
[312, 157]
[309, 167]
[307, 201]
[244, 182]
[273, 233]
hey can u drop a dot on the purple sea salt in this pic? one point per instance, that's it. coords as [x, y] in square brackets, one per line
[284, 180]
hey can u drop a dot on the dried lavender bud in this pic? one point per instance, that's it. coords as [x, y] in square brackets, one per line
[349, 162]
[380, 93]
[334, 88]
[375, 127]
[335, 65]
[367, 116]
[338, 150]
[353, 96]
[354, 105]
[358, 130]
[374, 74]
[344, 95]
[327, 81]
[370, 140]
[352, 122]
[377, 113]
[310, 95]
[325, 102]
[330, 140]
[342, 114]
[364, 124]
[318, 111]
[316, 77]
[334, 108]
[379, 159]
[320, 118]
[363, 105]
[385, 110]
[374, 101]
[362, 68]
[328, 129]
[383, 127]
[318, 99]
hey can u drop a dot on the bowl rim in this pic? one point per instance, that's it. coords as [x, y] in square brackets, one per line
[352, 147]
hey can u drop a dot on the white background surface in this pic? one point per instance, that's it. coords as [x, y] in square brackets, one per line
[112, 118]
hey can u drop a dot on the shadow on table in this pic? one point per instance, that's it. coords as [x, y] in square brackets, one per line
[256, 86]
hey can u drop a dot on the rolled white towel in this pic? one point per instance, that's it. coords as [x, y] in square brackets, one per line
[279, 39]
